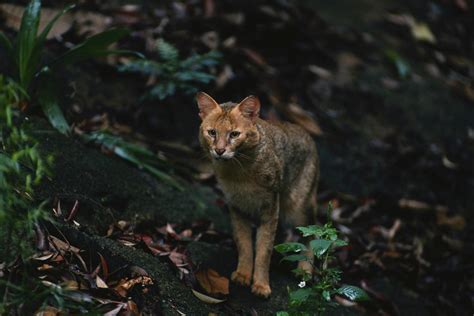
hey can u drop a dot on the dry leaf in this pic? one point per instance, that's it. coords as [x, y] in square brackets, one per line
[125, 284]
[116, 310]
[456, 222]
[61, 245]
[48, 311]
[422, 32]
[13, 14]
[206, 299]
[212, 282]
[100, 283]
[90, 23]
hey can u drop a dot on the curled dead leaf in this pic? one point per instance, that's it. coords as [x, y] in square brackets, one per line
[456, 222]
[207, 299]
[212, 282]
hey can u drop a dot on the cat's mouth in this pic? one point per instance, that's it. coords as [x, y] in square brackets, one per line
[226, 155]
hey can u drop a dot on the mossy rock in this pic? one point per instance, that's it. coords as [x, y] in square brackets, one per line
[110, 189]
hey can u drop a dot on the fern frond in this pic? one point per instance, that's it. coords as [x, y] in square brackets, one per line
[166, 51]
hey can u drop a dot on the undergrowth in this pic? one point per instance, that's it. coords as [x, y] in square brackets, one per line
[317, 290]
[171, 73]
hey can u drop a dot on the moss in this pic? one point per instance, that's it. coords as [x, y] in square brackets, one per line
[110, 189]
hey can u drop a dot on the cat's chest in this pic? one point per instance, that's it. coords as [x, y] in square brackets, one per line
[244, 194]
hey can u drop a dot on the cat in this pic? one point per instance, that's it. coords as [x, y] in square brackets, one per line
[268, 172]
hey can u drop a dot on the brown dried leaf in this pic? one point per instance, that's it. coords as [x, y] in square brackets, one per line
[13, 14]
[61, 245]
[212, 282]
[90, 23]
[100, 283]
[48, 311]
[125, 284]
[206, 299]
[456, 222]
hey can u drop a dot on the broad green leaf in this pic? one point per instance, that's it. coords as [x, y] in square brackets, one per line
[311, 230]
[339, 243]
[282, 313]
[320, 246]
[290, 247]
[93, 46]
[353, 293]
[6, 43]
[48, 100]
[293, 258]
[27, 41]
[327, 295]
[299, 296]
[134, 154]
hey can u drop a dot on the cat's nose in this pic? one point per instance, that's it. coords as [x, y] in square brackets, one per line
[220, 151]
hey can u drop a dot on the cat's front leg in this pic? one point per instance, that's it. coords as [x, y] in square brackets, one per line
[264, 247]
[242, 230]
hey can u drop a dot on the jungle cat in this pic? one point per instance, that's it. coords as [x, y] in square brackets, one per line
[268, 172]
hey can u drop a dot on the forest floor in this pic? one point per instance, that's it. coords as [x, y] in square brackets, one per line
[385, 89]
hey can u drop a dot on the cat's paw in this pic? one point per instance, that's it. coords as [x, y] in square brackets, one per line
[241, 277]
[261, 289]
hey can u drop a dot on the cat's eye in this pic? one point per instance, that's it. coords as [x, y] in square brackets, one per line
[212, 132]
[234, 134]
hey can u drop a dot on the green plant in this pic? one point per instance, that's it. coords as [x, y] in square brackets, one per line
[26, 50]
[21, 168]
[136, 154]
[314, 297]
[174, 74]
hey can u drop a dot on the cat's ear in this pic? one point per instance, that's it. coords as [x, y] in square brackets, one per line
[249, 107]
[206, 104]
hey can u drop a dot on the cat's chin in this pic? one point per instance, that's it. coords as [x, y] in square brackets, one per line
[225, 157]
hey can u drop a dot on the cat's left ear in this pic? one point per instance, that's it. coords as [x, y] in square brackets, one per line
[206, 104]
[250, 107]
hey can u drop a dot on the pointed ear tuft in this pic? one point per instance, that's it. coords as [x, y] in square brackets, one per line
[206, 104]
[250, 107]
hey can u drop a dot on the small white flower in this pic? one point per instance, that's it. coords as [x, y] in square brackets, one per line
[302, 284]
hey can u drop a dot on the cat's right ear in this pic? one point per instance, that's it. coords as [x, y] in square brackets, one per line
[206, 104]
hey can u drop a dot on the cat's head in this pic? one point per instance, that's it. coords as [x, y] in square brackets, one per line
[228, 130]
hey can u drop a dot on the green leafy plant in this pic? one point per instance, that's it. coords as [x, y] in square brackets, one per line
[26, 51]
[136, 154]
[21, 168]
[174, 74]
[314, 297]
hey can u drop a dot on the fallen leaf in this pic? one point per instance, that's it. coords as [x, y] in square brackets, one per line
[90, 23]
[116, 310]
[61, 245]
[100, 283]
[48, 311]
[422, 32]
[456, 222]
[206, 299]
[212, 282]
[13, 15]
[43, 257]
[125, 284]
